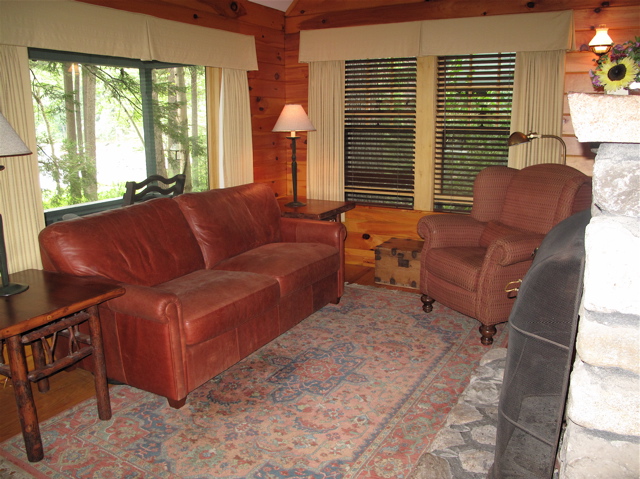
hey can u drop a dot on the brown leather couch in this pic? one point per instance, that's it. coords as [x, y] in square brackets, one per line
[210, 277]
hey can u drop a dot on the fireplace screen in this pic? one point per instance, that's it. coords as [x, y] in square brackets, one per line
[542, 330]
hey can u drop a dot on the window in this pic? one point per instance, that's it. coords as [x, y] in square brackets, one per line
[473, 115]
[380, 121]
[103, 121]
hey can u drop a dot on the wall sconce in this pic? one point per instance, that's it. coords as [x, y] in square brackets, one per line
[10, 145]
[293, 118]
[518, 137]
[601, 43]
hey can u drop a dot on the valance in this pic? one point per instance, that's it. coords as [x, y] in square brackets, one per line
[392, 40]
[501, 33]
[78, 27]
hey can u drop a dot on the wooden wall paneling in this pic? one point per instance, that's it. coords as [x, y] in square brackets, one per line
[431, 10]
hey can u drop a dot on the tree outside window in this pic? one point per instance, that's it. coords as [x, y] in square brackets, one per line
[101, 122]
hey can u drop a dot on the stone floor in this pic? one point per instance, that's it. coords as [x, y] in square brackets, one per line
[464, 447]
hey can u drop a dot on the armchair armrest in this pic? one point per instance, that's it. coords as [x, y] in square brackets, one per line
[446, 230]
[513, 249]
[145, 302]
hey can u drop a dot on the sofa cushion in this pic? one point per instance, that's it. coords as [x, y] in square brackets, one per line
[230, 221]
[294, 265]
[214, 302]
[144, 244]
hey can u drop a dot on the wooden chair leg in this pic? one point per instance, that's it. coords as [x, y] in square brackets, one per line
[487, 333]
[427, 305]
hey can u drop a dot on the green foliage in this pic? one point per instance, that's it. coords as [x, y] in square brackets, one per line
[67, 167]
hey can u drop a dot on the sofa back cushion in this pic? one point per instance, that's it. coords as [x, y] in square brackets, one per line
[230, 221]
[145, 244]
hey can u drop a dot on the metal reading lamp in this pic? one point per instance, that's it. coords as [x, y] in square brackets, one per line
[518, 137]
[10, 145]
[293, 118]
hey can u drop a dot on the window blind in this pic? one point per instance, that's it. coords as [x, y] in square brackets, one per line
[473, 116]
[380, 120]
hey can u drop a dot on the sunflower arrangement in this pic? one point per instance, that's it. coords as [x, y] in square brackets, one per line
[619, 68]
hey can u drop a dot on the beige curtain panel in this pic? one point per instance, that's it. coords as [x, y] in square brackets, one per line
[235, 135]
[538, 95]
[499, 33]
[79, 27]
[325, 151]
[20, 199]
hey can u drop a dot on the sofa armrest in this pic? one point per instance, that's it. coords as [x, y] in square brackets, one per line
[439, 231]
[146, 302]
[296, 230]
[513, 249]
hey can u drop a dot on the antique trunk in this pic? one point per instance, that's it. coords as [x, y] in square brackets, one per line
[398, 262]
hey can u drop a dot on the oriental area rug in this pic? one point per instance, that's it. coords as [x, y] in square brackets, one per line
[357, 390]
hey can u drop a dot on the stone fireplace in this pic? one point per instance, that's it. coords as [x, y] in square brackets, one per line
[602, 436]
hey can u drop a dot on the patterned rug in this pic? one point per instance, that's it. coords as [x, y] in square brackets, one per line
[357, 390]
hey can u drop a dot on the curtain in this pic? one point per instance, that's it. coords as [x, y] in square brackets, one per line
[236, 146]
[538, 94]
[325, 149]
[20, 200]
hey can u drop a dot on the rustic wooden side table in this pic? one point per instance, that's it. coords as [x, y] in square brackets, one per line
[316, 209]
[54, 305]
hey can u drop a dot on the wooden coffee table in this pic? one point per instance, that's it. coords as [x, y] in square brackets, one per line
[53, 304]
[316, 209]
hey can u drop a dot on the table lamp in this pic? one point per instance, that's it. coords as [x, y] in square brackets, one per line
[293, 118]
[10, 145]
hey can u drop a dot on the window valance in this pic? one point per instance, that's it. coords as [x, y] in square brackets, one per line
[79, 27]
[500, 33]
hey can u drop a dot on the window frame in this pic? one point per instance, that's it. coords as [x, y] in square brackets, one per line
[491, 130]
[53, 215]
[396, 187]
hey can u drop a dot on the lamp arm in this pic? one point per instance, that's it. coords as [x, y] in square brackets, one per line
[564, 146]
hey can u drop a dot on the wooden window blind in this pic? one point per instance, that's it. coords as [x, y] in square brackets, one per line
[380, 123]
[473, 118]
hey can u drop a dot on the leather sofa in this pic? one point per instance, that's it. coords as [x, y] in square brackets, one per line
[210, 277]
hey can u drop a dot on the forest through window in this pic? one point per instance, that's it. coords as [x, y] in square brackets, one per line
[103, 121]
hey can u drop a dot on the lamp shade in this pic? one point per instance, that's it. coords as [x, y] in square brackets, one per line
[293, 118]
[10, 142]
[601, 42]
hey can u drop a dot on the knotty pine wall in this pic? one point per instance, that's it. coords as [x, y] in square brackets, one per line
[281, 78]
[368, 226]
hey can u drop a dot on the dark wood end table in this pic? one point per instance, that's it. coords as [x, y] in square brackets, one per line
[54, 304]
[316, 209]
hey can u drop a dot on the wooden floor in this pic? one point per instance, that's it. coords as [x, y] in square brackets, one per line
[73, 387]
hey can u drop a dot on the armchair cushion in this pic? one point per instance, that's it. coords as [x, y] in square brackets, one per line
[494, 230]
[460, 265]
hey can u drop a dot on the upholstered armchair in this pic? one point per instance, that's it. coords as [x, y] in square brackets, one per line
[468, 260]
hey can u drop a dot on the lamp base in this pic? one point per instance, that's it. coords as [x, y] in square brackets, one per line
[13, 288]
[294, 204]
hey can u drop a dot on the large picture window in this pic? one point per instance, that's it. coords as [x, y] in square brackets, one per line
[103, 121]
[473, 115]
[380, 123]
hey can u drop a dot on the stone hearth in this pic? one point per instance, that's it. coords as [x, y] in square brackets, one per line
[602, 438]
